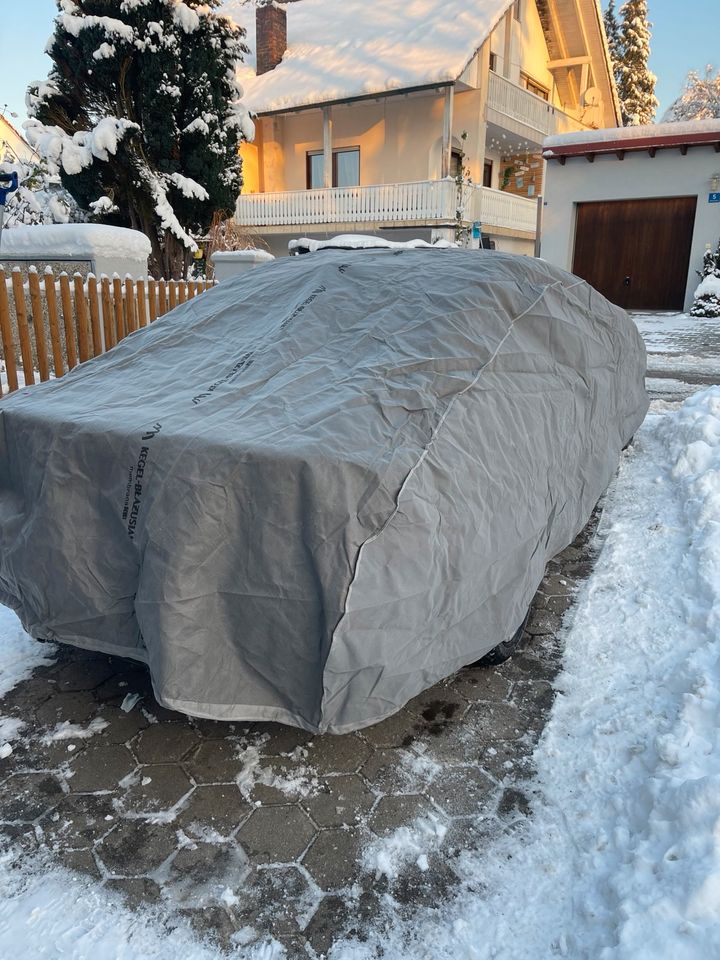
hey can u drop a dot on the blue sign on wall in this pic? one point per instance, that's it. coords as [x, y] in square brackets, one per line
[477, 229]
[714, 198]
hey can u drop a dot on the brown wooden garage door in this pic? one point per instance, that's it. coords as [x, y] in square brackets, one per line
[636, 252]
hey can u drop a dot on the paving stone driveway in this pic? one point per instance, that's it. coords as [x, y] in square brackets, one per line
[259, 829]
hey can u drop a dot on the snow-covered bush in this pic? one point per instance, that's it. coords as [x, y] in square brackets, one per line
[40, 198]
[707, 295]
[141, 116]
[700, 99]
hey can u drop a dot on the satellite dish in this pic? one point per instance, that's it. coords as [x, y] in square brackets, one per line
[591, 97]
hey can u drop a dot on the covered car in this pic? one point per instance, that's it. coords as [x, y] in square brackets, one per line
[321, 487]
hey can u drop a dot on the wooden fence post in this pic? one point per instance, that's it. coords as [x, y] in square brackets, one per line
[141, 311]
[120, 330]
[54, 323]
[97, 336]
[68, 325]
[81, 318]
[162, 306]
[22, 325]
[6, 334]
[38, 324]
[107, 313]
[152, 299]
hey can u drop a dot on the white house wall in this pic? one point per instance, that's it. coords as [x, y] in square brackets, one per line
[637, 176]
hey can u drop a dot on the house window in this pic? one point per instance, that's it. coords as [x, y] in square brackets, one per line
[345, 168]
[493, 62]
[487, 173]
[532, 86]
[517, 10]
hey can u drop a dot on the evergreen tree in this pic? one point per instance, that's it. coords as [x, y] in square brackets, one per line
[636, 82]
[707, 296]
[612, 31]
[700, 99]
[141, 116]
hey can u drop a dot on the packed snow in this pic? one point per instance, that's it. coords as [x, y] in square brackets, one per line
[366, 46]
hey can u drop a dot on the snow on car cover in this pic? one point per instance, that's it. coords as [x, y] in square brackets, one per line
[314, 491]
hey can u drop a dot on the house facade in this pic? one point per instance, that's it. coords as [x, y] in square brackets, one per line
[632, 210]
[13, 146]
[419, 120]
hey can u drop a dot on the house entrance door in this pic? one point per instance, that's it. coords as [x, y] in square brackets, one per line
[636, 252]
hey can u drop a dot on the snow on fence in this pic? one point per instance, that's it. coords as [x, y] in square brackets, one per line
[53, 325]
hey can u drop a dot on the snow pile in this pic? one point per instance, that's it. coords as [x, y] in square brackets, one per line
[621, 858]
[75, 241]
[350, 241]
[364, 46]
[708, 285]
[252, 773]
[74, 731]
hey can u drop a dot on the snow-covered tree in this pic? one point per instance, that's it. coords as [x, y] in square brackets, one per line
[141, 116]
[612, 31]
[636, 82]
[700, 99]
[707, 295]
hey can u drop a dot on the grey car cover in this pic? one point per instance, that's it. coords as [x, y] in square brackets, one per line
[317, 489]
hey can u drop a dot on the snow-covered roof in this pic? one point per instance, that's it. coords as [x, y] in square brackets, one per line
[633, 138]
[74, 241]
[339, 49]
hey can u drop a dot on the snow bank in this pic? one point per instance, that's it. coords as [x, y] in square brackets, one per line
[75, 241]
[364, 46]
[621, 858]
[708, 285]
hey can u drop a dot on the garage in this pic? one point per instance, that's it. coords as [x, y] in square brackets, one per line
[636, 252]
[632, 210]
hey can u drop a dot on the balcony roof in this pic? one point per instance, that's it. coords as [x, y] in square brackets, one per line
[339, 51]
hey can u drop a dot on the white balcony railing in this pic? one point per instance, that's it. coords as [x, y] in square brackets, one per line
[425, 203]
[510, 100]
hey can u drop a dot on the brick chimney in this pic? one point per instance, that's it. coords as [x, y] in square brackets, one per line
[270, 35]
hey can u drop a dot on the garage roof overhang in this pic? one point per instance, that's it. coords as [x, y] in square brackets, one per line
[630, 140]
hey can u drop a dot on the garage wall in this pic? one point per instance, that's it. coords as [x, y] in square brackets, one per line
[668, 174]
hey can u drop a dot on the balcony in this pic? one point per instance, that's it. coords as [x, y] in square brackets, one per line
[512, 107]
[427, 203]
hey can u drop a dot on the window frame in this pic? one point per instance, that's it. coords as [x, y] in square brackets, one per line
[534, 87]
[493, 61]
[319, 153]
[488, 168]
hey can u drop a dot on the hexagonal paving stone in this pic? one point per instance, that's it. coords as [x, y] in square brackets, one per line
[122, 725]
[332, 859]
[74, 707]
[162, 742]
[156, 787]
[219, 729]
[216, 809]
[462, 790]
[469, 833]
[129, 677]
[101, 766]
[135, 848]
[26, 796]
[202, 872]
[79, 861]
[27, 695]
[394, 812]
[276, 739]
[339, 800]
[400, 730]
[481, 684]
[214, 924]
[336, 754]
[437, 707]
[78, 821]
[417, 887]
[276, 834]
[137, 892]
[84, 674]
[215, 761]
[275, 901]
[386, 771]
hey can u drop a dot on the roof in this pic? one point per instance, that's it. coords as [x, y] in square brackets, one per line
[339, 49]
[651, 137]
